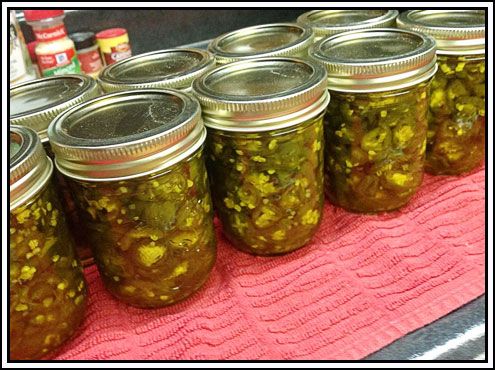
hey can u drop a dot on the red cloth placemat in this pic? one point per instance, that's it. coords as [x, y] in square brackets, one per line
[363, 282]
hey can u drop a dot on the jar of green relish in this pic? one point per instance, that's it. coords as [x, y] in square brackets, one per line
[134, 161]
[265, 150]
[171, 68]
[266, 40]
[331, 22]
[456, 124]
[376, 122]
[35, 104]
[47, 287]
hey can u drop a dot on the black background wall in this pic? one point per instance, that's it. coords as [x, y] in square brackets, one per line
[159, 29]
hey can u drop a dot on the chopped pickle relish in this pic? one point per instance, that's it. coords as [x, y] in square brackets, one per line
[152, 237]
[375, 148]
[268, 187]
[47, 286]
[456, 121]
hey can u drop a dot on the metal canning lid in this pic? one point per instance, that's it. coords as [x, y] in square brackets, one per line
[262, 94]
[126, 134]
[172, 68]
[30, 167]
[378, 59]
[267, 40]
[331, 22]
[458, 31]
[36, 103]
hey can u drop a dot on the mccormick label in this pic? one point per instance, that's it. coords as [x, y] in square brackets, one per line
[50, 34]
[119, 52]
[59, 63]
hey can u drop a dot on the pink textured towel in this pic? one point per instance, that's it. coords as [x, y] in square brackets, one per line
[363, 282]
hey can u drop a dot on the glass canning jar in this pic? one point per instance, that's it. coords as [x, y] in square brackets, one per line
[265, 150]
[376, 122]
[47, 287]
[267, 40]
[456, 131]
[171, 68]
[35, 104]
[331, 22]
[134, 161]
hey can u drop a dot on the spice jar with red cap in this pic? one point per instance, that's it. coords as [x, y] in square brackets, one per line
[114, 45]
[55, 51]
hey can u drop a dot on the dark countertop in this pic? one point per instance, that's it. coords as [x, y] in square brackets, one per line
[457, 336]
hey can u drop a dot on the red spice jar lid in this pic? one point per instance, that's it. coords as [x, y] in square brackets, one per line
[38, 15]
[110, 33]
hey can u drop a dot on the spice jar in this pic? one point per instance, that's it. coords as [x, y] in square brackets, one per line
[88, 52]
[456, 131]
[114, 45]
[55, 51]
[35, 104]
[268, 40]
[265, 150]
[172, 68]
[34, 59]
[20, 63]
[47, 287]
[330, 22]
[376, 122]
[134, 161]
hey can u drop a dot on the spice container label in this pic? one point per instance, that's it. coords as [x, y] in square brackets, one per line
[59, 63]
[90, 61]
[50, 34]
[18, 68]
[119, 52]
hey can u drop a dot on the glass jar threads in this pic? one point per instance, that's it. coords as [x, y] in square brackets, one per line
[268, 40]
[35, 104]
[456, 132]
[134, 161]
[376, 122]
[171, 68]
[330, 22]
[265, 150]
[47, 288]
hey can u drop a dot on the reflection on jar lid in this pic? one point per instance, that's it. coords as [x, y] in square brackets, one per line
[261, 94]
[455, 31]
[126, 134]
[172, 68]
[30, 167]
[376, 59]
[330, 22]
[36, 103]
[268, 40]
